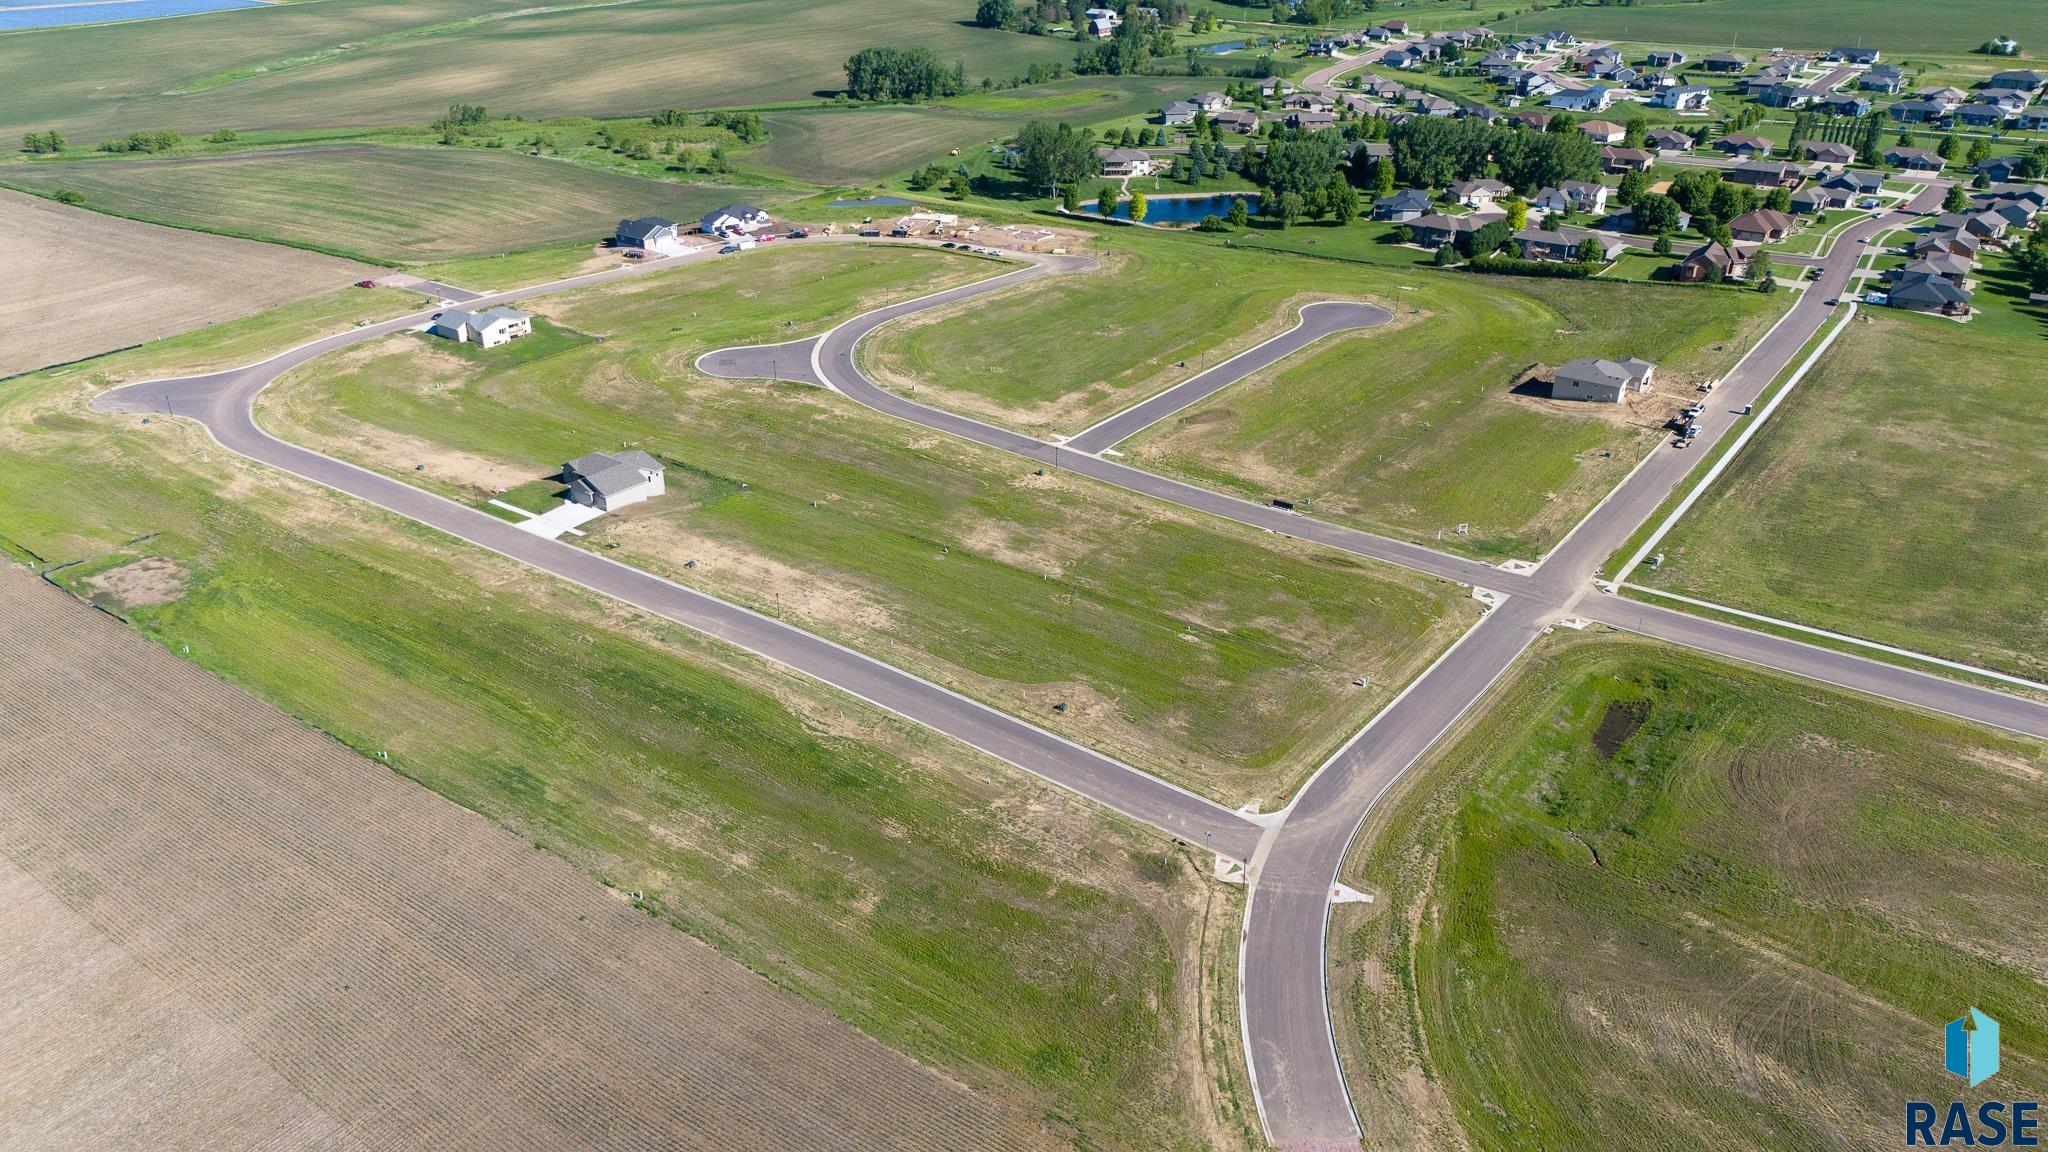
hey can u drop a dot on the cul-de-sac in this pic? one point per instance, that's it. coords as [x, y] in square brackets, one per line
[1325, 575]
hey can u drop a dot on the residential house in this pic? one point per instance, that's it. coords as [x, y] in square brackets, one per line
[1948, 96]
[1273, 86]
[1480, 193]
[1118, 163]
[1593, 99]
[1430, 105]
[1615, 161]
[2033, 119]
[651, 233]
[1845, 104]
[1211, 102]
[1884, 78]
[1397, 27]
[2025, 80]
[1817, 198]
[1927, 293]
[1535, 121]
[1918, 111]
[1604, 131]
[1437, 230]
[1744, 147]
[1375, 150]
[1702, 263]
[1683, 98]
[1981, 224]
[1573, 196]
[1178, 112]
[1828, 152]
[1982, 115]
[734, 219]
[1763, 226]
[486, 329]
[1854, 55]
[1403, 58]
[1783, 95]
[1947, 265]
[1244, 123]
[609, 481]
[1725, 62]
[1562, 245]
[1601, 381]
[1405, 205]
[1913, 159]
[1653, 80]
[1102, 22]
[1669, 140]
[1308, 102]
[1664, 58]
[1855, 184]
[1765, 174]
[1311, 121]
[1959, 243]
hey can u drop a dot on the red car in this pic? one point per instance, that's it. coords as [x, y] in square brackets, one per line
[366, 283]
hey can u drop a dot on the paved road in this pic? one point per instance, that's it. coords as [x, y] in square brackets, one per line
[1299, 1083]
[1318, 320]
[222, 401]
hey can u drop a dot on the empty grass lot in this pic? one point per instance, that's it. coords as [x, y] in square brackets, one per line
[1406, 429]
[1640, 867]
[1029, 945]
[1216, 656]
[1896, 495]
[365, 62]
[1896, 26]
[393, 205]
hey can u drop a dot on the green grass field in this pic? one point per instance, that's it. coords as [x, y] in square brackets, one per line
[396, 205]
[1896, 26]
[1199, 650]
[366, 62]
[1894, 496]
[950, 906]
[1654, 901]
[1407, 430]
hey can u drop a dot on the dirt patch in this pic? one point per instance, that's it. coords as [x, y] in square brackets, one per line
[728, 569]
[153, 580]
[1621, 722]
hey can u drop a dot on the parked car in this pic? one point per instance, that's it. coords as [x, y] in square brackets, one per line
[765, 237]
[728, 250]
[799, 233]
[366, 283]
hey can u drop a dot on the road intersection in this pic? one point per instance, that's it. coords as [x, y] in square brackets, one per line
[1293, 856]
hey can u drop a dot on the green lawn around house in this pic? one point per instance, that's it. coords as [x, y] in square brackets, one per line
[1895, 495]
[1217, 656]
[1643, 867]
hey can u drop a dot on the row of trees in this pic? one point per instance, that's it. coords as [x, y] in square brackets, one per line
[902, 74]
[43, 142]
[1432, 151]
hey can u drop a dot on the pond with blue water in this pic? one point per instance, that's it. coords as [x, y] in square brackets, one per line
[18, 14]
[1180, 209]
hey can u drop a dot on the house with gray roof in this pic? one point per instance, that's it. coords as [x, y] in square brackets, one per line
[1405, 205]
[1601, 381]
[486, 329]
[609, 481]
[1924, 292]
[734, 218]
[652, 233]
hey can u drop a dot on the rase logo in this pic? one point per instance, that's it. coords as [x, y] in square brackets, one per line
[1970, 1052]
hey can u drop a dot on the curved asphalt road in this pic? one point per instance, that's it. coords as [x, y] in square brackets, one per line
[1298, 1083]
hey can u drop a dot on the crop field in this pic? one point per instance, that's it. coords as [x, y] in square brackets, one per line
[130, 954]
[1896, 26]
[1213, 655]
[100, 283]
[851, 145]
[1650, 900]
[957, 911]
[1895, 495]
[393, 205]
[1408, 429]
[365, 62]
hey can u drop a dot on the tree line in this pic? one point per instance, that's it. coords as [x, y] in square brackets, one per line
[912, 74]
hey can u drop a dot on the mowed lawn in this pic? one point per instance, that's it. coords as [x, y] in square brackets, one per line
[398, 205]
[364, 62]
[1896, 26]
[1655, 901]
[999, 929]
[1896, 495]
[1408, 429]
[1216, 656]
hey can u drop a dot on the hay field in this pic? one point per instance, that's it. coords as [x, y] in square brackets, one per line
[334, 957]
[81, 283]
[361, 62]
[388, 204]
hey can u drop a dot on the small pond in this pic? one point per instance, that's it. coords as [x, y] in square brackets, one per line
[1181, 209]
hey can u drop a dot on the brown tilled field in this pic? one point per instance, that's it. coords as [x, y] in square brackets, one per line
[81, 283]
[220, 929]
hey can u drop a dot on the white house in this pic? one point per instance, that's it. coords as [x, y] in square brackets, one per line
[734, 218]
[486, 329]
[1601, 381]
[1211, 101]
[611, 480]
[1683, 98]
[1594, 99]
